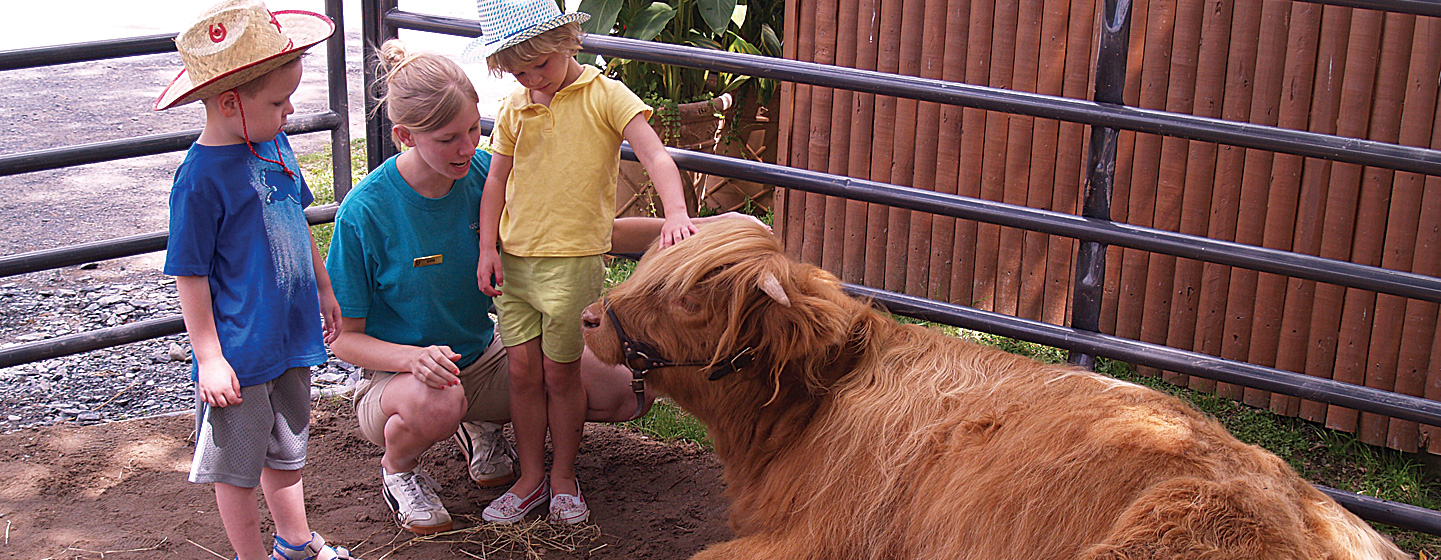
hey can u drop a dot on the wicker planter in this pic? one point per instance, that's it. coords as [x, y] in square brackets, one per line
[703, 126]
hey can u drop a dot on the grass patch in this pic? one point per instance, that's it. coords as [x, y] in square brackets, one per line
[616, 271]
[667, 422]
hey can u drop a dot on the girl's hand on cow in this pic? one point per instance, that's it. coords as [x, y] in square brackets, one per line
[435, 366]
[488, 273]
[676, 229]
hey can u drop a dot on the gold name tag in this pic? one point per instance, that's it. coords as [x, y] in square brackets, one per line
[427, 261]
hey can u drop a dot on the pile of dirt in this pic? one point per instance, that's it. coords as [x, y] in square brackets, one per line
[119, 490]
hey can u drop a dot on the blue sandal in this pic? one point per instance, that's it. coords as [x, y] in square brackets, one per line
[308, 551]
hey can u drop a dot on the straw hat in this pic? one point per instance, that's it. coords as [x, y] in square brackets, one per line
[237, 41]
[507, 23]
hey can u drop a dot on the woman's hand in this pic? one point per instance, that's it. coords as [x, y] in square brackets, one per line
[732, 216]
[329, 316]
[435, 366]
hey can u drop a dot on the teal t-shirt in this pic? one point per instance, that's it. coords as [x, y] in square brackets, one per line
[406, 263]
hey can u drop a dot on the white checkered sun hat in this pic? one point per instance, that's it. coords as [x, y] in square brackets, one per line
[507, 23]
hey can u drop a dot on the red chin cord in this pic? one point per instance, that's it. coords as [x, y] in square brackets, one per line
[246, 133]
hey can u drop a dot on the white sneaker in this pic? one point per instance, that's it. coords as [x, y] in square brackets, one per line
[411, 495]
[490, 455]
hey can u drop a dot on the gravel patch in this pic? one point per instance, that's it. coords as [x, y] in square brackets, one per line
[146, 378]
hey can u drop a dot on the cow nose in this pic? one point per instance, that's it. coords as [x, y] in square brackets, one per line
[590, 317]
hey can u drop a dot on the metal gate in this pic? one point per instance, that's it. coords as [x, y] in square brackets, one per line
[1094, 229]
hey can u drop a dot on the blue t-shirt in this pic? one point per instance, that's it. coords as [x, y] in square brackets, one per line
[406, 263]
[241, 222]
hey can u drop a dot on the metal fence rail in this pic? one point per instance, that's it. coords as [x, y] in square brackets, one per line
[35, 261]
[1106, 115]
[335, 120]
[86, 52]
[1143, 353]
[1298, 265]
[109, 336]
[110, 150]
[1180, 125]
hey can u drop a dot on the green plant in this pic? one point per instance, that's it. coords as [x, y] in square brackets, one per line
[667, 422]
[616, 271]
[751, 27]
[667, 113]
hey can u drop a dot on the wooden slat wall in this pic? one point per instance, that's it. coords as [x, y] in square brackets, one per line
[1194, 164]
[1416, 198]
[1296, 65]
[1245, 336]
[1339, 227]
[1284, 190]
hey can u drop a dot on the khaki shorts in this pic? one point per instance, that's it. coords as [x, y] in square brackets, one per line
[487, 388]
[543, 296]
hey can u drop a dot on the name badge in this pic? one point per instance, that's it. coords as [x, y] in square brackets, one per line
[427, 261]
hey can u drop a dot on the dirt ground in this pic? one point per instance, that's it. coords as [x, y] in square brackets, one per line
[119, 490]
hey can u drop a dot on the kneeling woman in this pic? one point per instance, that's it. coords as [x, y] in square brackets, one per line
[402, 263]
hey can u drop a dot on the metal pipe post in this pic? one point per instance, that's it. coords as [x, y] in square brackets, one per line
[339, 100]
[374, 31]
[1101, 172]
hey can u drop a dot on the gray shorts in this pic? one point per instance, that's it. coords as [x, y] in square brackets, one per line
[269, 428]
[487, 392]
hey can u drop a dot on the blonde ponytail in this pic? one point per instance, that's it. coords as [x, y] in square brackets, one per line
[421, 91]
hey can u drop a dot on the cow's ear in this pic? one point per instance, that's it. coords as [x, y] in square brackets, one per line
[802, 335]
[772, 287]
[809, 318]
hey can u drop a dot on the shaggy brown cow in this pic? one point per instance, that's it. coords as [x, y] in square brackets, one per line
[850, 436]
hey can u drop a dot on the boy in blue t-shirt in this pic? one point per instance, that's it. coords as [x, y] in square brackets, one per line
[253, 290]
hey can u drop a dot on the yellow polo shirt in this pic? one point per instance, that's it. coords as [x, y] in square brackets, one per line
[560, 199]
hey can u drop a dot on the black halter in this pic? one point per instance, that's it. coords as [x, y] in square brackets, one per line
[641, 358]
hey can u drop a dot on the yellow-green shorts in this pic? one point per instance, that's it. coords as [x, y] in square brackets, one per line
[543, 297]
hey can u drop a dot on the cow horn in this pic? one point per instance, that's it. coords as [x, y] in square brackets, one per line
[772, 288]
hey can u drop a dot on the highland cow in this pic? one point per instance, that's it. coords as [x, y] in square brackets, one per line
[846, 435]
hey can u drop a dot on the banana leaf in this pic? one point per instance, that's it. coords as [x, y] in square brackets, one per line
[650, 21]
[602, 20]
[602, 15]
[771, 41]
[717, 13]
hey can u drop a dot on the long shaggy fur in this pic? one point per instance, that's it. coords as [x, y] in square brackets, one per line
[855, 437]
